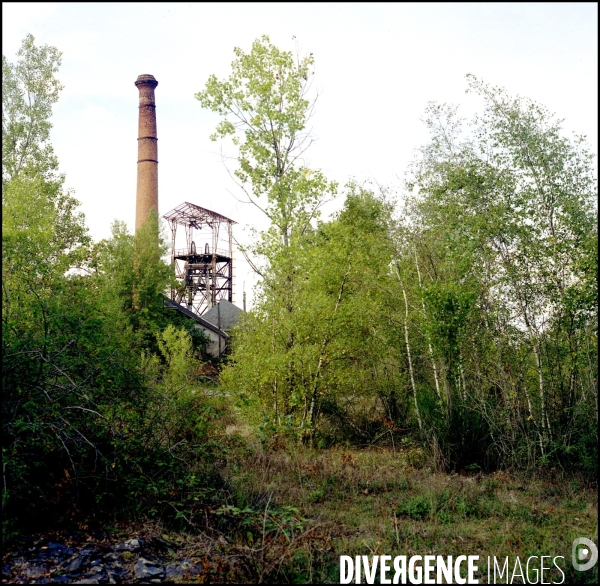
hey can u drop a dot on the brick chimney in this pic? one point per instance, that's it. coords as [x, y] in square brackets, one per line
[147, 170]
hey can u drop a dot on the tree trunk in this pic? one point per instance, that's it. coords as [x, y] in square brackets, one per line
[410, 366]
[312, 411]
[431, 357]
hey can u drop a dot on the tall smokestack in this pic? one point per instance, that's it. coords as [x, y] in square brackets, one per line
[147, 171]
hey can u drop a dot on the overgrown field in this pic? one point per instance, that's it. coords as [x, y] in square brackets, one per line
[417, 373]
[389, 501]
[278, 511]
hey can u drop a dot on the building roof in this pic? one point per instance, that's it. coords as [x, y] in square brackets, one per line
[229, 315]
[170, 304]
[189, 214]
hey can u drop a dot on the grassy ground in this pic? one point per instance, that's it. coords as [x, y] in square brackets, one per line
[389, 501]
[286, 513]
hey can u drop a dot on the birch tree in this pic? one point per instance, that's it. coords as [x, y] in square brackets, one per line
[510, 199]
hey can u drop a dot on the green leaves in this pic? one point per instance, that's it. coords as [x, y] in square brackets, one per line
[29, 90]
[265, 108]
[315, 337]
[500, 223]
[83, 417]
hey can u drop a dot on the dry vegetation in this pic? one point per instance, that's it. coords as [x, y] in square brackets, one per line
[320, 504]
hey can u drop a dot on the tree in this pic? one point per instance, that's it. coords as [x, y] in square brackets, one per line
[265, 109]
[133, 277]
[29, 90]
[340, 325]
[90, 416]
[505, 215]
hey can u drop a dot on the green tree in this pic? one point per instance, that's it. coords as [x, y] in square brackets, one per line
[89, 414]
[29, 90]
[265, 110]
[340, 327]
[505, 215]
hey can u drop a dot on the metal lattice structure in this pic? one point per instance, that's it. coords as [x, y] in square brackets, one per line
[204, 267]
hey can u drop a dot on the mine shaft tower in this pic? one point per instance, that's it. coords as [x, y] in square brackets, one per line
[204, 268]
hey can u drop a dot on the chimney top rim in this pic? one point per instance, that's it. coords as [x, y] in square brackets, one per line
[146, 79]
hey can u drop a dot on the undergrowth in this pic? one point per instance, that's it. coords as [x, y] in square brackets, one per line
[376, 501]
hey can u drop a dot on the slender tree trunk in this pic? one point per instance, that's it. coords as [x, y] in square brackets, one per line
[593, 379]
[544, 411]
[523, 305]
[312, 411]
[275, 389]
[431, 357]
[462, 378]
[410, 366]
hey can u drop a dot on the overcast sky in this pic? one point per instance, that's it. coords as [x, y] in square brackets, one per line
[377, 66]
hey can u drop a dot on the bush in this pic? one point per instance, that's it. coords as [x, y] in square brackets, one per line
[92, 416]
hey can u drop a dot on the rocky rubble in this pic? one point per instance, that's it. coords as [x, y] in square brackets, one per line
[136, 560]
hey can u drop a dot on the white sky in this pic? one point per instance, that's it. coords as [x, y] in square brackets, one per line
[377, 65]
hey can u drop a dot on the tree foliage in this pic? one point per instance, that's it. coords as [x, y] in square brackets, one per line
[29, 90]
[265, 109]
[96, 411]
[326, 349]
[465, 317]
[501, 223]
[470, 311]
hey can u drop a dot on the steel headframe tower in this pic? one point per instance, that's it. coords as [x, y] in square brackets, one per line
[204, 268]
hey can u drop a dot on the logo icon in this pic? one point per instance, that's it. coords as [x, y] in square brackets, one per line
[584, 549]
